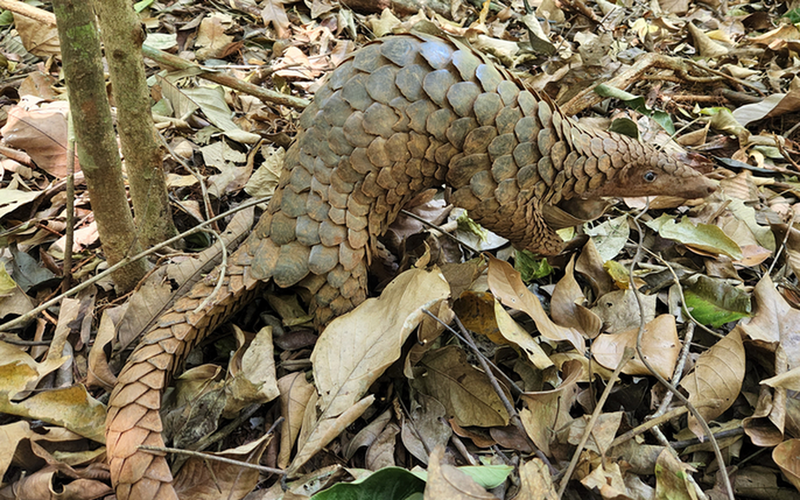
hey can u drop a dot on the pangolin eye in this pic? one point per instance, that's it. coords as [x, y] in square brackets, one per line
[650, 176]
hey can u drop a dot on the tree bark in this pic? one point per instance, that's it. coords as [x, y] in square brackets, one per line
[123, 36]
[97, 146]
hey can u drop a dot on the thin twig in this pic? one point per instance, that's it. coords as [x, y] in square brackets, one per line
[66, 267]
[231, 426]
[642, 428]
[207, 456]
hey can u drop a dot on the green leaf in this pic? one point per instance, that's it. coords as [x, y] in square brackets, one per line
[391, 483]
[530, 267]
[470, 226]
[487, 476]
[705, 237]
[625, 126]
[7, 283]
[715, 302]
[637, 103]
[793, 15]
[140, 6]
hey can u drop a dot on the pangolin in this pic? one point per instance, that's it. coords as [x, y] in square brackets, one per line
[402, 114]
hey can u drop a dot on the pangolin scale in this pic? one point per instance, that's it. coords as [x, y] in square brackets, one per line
[401, 114]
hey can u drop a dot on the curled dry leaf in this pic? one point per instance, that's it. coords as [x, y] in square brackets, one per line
[295, 394]
[43, 483]
[590, 265]
[660, 344]
[367, 435]
[355, 349]
[515, 334]
[774, 321]
[251, 372]
[765, 426]
[785, 456]
[567, 305]
[717, 377]
[506, 284]
[608, 481]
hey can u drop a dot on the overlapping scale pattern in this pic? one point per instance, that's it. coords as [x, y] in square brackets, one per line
[402, 114]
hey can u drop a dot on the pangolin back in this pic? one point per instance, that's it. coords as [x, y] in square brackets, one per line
[400, 115]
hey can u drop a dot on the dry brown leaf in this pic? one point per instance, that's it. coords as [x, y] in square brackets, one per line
[224, 480]
[296, 391]
[660, 344]
[99, 373]
[477, 435]
[82, 238]
[251, 375]
[14, 435]
[774, 321]
[765, 425]
[704, 44]
[602, 433]
[445, 482]
[535, 482]
[717, 377]
[788, 380]
[13, 300]
[549, 410]
[265, 179]
[427, 426]
[590, 265]
[619, 310]
[38, 38]
[273, 12]
[40, 129]
[212, 42]
[72, 408]
[673, 477]
[607, 480]
[42, 485]
[200, 398]
[781, 33]
[516, 335]
[786, 456]
[380, 453]
[355, 349]
[464, 390]
[476, 312]
[428, 331]
[567, 308]
[368, 434]
[506, 284]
